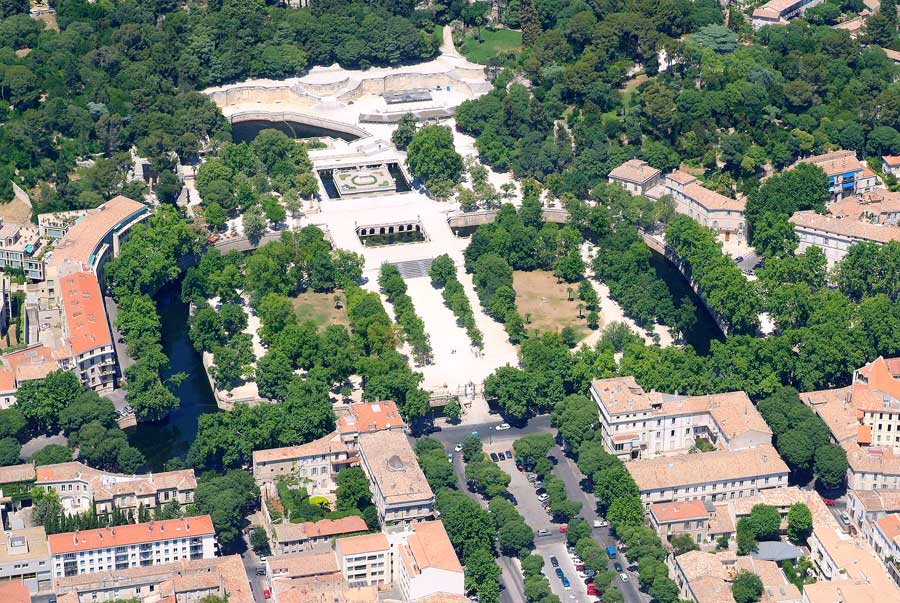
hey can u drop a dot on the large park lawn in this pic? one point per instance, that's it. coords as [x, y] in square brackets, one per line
[320, 309]
[492, 43]
[547, 302]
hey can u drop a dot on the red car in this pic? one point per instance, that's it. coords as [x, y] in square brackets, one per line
[592, 590]
[564, 528]
[580, 567]
[267, 593]
[828, 501]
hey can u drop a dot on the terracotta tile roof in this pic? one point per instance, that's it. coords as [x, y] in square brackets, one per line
[105, 485]
[17, 473]
[846, 227]
[364, 543]
[634, 170]
[889, 525]
[33, 362]
[298, 565]
[721, 465]
[711, 200]
[776, 588]
[856, 560]
[891, 160]
[681, 177]
[374, 416]
[872, 459]
[835, 162]
[290, 532]
[673, 512]
[430, 547]
[880, 375]
[85, 314]
[81, 241]
[153, 531]
[14, 591]
[843, 591]
[894, 56]
[358, 594]
[878, 501]
[721, 521]
[329, 444]
[391, 463]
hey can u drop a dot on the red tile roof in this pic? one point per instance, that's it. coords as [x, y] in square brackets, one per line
[152, 531]
[84, 311]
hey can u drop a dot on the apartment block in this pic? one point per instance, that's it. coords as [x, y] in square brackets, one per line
[848, 568]
[400, 492]
[368, 417]
[865, 507]
[635, 176]
[132, 545]
[424, 562]
[636, 424]
[297, 537]
[699, 519]
[313, 465]
[706, 577]
[20, 250]
[79, 485]
[707, 207]
[364, 560]
[25, 557]
[188, 581]
[715, 476]
[846, 174]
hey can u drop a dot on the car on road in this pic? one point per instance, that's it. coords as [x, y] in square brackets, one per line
[260, 571]
[617, 566]
[554, 561]
[739, 259]
[845, 518]
[543, 532]
[564, 528]
[590, 573]
[600, 523]
[591, 589]
[503, 427]
[267, 593]
[624, 577]
[566, 584]
[559, 573]
[450, 457]
[458, 447]
[543, 497]
[474, 433]
[509, 454]
[830, 502]
[611, 552]
[494, 457]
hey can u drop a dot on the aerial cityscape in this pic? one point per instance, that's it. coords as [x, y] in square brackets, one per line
[519, 301]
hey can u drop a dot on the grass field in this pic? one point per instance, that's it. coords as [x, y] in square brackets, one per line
[491, 44]
[319, 308]
[538, 294]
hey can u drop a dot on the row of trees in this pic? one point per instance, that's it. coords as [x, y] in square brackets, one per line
[443, 275]
[394, 289]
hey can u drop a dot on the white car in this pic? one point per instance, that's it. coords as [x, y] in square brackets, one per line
[458, 447]
[600, 523]
[502, 427]
[543, 497]
[624, 577]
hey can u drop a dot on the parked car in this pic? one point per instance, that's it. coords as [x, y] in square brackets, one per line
[502, 427]
[617, 566]
[450, 457]
[530, 477]
[543, 532]
[267, 593]
[580, 567]
[624, 577]
[554, 561]
[260, 571]
[576, 559]
[559, 573]
[539, 490]
[590, 573]
[739, 259]
[566, 584]
[458, 447]
[591, 589]
[543, 497]
[564, 528]
[494, 457]
[845, 518]
[829, 501]
[600, 523]
[611, 552]
[509, 454]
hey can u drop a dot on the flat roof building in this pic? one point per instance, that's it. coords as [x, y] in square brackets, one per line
[25, 557]
[400, 491]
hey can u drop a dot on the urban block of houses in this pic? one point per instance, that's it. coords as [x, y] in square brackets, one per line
[400, 492]
[715, 476]
[847, 175]
[78, 486]
[872, 217]
[413, 563]
[313, 465]
[779, 12]
[187, 581]
[864, 418]
[707, 207]
[637, 424]
[25, 557]
[635, 176]
[290, 537]
[865, 507]
[132, 545]
[706, 577]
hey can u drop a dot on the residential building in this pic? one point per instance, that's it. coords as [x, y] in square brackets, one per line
[132, 545]
[691, 517]
[872, 467]
[186, 581]
[20, 250]
[79, 485]
[424, 562]
[400, 492]
[636, 424]
[886, 539]
[778, 12]
[296, 537]
[368, 417]
[25, 558]
[14, 591]
[15, 486]
[33, 362]
[706, 207]
[706, 577]
[850, 562]
[847, 175]
[715, 476]
[314, 465]
[635, 176]
[87, 343]
[890, 164]
[865, 507]
[364, 560]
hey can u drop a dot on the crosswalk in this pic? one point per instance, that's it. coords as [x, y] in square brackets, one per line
[413, 268]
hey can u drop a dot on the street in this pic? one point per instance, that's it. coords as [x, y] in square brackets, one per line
[530, 508]
[251, 562]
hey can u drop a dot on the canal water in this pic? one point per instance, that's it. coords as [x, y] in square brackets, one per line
[246, 131]
[173, 436]
[705, 329]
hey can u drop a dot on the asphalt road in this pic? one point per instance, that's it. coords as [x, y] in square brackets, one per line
[251, 562]
[531, 510]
